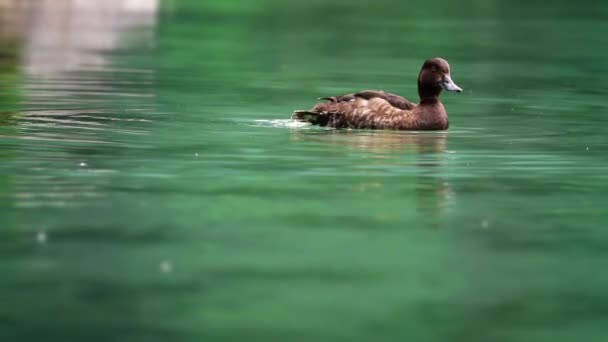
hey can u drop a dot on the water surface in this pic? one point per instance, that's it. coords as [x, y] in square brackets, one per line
[153, 189]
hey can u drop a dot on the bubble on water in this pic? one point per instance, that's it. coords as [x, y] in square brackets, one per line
[83, 164]
[485, 224]
[587, 148]
[41, 237]
[196, 154]
[166, 266]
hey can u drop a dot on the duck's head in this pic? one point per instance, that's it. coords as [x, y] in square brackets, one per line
[434, 76]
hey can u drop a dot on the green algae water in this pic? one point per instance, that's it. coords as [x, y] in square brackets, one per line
[152, 187]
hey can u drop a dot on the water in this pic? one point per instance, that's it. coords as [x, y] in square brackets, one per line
[154, 189]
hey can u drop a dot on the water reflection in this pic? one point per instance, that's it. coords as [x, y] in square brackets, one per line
[378, 141]
[69, 49]
[68, 35]
[75, 99]
[390, 154]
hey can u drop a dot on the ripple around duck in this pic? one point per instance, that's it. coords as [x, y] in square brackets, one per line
[282, 123]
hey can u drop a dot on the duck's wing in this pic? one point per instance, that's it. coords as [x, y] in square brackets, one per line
[394, 100]
[375, 113]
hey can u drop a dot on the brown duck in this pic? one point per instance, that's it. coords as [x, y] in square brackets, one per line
[380, 110]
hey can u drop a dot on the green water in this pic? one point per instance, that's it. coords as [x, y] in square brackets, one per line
[157, 192]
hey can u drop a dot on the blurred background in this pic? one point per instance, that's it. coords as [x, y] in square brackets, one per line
[153, 188]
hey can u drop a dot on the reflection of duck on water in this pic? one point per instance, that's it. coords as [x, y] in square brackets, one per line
[378, 141]
[414, 163]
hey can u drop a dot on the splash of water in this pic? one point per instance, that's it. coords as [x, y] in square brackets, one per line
[282, 123]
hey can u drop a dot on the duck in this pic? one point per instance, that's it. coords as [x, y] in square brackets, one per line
[377, 109]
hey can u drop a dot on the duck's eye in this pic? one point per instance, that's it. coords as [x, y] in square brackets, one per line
[434, 69]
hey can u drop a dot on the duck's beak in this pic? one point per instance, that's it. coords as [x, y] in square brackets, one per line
[449, 85]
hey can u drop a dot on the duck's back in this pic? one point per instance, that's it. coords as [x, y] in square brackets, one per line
[394, 100]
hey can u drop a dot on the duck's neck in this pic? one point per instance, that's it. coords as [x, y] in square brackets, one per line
[429, 93]
[430, 100]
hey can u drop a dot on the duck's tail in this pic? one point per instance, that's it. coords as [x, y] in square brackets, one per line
[306, 116]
